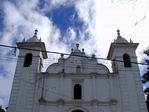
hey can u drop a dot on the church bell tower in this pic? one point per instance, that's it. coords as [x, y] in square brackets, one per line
[29, 64]
[125, 66]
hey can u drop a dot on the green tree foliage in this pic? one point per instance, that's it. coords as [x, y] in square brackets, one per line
[146, 91]
[146, 80]
[1, 109]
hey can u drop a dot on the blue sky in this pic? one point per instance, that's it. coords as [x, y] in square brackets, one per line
[63, 23]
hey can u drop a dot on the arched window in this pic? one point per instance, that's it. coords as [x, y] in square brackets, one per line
[77, 110]
[77, 91]
[28, 60]
[78, 69]
[126, 59]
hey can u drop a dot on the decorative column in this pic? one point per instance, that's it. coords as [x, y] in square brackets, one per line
[61, 91]
[94, 101]
[94, 85]
[60, 105]
[112, 94]
[61, 99]
[94, 104]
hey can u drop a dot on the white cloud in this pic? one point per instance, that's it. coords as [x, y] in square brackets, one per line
[5, 85]
[85, 10]
[6, 80]
[111, 15]
[51, 4]
[1, 102]
[70, 36]
[29, 19]
[20, 22]
[101, 24]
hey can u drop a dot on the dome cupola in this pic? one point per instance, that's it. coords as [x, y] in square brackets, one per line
[34, 38]
[120, 39]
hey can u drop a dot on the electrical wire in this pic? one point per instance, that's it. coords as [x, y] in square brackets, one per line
[53, 52]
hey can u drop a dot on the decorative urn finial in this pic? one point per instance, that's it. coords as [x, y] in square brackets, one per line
[35, 34]
[77, 45]
[118, 33]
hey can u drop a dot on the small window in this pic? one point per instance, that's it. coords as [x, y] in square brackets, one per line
[126, 59]
[78, 69]
[28, 60]
[77, 91]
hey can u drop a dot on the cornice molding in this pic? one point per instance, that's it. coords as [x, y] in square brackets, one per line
[78, 102]
[75, 75]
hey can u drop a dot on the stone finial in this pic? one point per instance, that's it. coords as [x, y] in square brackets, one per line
[40, 39]
[35, 34]
[62, 55]
[72, 50]
[118, 33]
[93, 56]
[77, 45]
[82, 49]
[131, 41]
[23, 40]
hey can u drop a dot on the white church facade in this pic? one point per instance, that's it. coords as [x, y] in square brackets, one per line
[77, 83]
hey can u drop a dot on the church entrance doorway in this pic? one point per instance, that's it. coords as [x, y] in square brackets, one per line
[77, 110]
